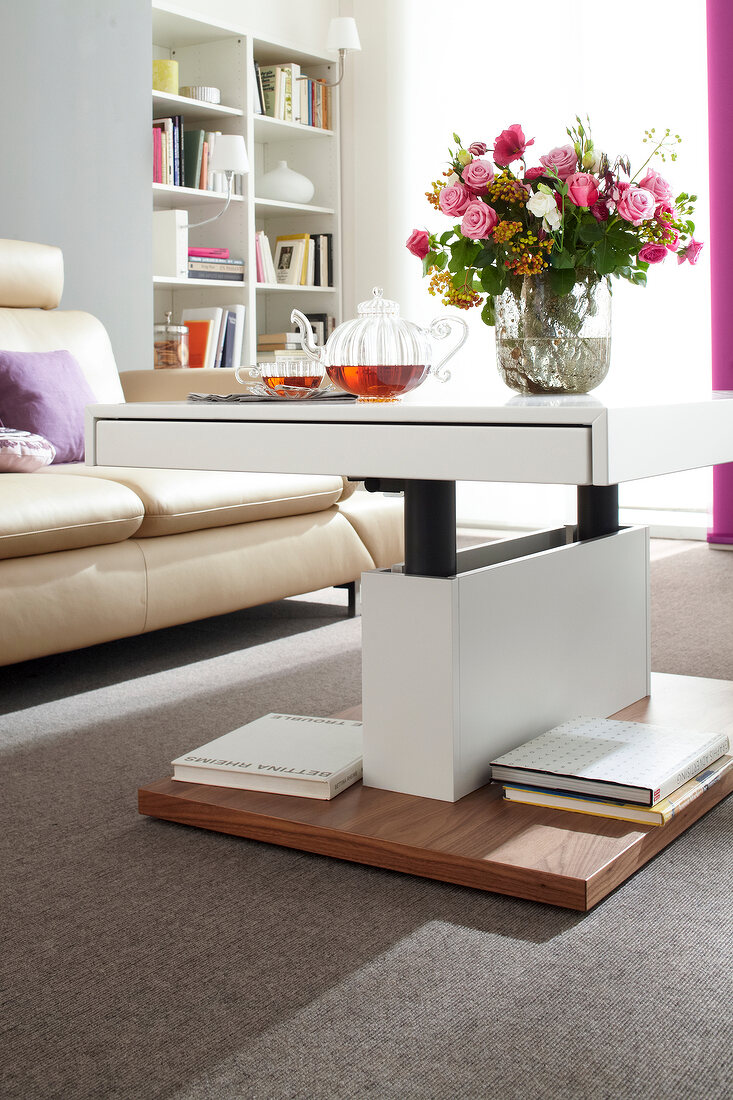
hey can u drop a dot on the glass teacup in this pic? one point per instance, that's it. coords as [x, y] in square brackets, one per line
[291, 378]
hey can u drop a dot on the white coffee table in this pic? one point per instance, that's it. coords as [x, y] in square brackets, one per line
[464, 654]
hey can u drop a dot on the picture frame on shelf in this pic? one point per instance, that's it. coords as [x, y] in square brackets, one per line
[289, 254]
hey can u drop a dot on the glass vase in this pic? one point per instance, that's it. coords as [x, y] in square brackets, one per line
[550, 343]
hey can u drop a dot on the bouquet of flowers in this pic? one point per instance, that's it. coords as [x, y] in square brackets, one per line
[576, 217]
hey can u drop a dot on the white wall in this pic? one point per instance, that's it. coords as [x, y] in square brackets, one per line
[75, 164]
[300, 22]
[428, 70]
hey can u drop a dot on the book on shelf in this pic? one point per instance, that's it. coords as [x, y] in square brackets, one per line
[281, 754]
[290, 258]
[258, 105]
[199, 337]
[268, 78]
[658, 814]
[319, 324]
[228, 270]
[193, 151]
[604, 757]
[213, 315]
[237, 311]
[170, 243]
[172, 167]
[262, 243]
[208, 253]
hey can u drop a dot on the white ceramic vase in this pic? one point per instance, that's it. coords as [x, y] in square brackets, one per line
[285, 185]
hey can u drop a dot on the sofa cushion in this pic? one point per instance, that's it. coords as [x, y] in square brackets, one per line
[39, 516]
[45, 392]
[192, 500]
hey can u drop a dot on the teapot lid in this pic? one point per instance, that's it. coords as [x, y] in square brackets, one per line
[379, 306]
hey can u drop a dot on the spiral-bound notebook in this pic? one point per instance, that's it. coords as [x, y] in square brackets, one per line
[243, 398]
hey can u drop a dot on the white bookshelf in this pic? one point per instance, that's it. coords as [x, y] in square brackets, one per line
[220, 55]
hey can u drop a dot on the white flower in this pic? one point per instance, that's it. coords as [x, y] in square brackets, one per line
[551, 220]
[452, 178]
[595, 164]
[541, 204]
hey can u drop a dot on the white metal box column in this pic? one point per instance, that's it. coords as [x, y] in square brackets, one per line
[529, 633]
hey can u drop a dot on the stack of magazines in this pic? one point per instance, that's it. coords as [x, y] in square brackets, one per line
[625, 770]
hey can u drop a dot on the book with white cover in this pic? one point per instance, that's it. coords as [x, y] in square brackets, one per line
[629, 761]
[281, 754]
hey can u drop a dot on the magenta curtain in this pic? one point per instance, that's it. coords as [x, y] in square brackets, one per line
[720, 128]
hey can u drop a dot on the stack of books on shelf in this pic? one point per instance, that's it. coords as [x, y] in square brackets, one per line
[607, 768]
[215, 335]
[288, 344]
[216, 264]
[286, 93]
[287, 754]
[304, 259]
[273, 343]
[263, 259]
[181, 157]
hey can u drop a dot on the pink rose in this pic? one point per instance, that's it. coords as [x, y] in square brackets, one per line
[653, 253]
[478, 175]
[478, 221]
[636, 204]
[563, 159]
[534, 173]
[477, 148]
[672, 245]
[657, 185]
[664, 208]
[418, 243]
[510, 145]
[691, 253]
[599, 210]
[582, 189]
[454, 199]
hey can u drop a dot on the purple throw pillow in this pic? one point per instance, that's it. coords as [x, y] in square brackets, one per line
[45, 392]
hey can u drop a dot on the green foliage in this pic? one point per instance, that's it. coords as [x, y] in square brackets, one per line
[562, 280]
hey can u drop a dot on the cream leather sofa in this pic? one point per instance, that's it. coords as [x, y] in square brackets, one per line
[88, 555]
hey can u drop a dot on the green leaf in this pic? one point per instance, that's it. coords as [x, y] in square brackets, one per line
[445, 237]
[488, 314]
[590, 231]
[456, 139]
[562, 280]
[493, 280]
[562, 259]
[606, 259]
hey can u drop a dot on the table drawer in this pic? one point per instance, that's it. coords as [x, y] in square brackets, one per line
[442, 452]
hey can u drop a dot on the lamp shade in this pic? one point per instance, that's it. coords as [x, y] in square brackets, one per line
[230, 154]
[342, 34]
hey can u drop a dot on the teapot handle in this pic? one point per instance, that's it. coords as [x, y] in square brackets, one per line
[439, 329]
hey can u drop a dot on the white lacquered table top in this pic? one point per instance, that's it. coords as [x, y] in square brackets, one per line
[545, 439]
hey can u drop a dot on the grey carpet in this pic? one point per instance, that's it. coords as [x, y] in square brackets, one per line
[145, 960]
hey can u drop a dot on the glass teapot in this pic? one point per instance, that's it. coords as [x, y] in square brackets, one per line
[378, 356]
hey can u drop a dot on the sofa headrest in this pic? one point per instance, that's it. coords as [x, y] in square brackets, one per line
[31, 275]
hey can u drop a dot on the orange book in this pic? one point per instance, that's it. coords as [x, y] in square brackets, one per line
[203, 179]
[198, 342]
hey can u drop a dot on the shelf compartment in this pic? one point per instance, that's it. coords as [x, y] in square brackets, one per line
[275, 129]
[274, 206]
[165, 104]
[167, 196]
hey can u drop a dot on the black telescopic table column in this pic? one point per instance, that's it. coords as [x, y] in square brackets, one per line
[430, 528]
[597, 510]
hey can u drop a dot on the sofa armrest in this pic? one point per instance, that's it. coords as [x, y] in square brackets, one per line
[175, 385]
